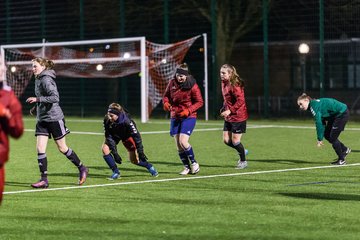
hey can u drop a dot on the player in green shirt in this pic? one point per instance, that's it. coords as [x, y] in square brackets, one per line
[330, 118]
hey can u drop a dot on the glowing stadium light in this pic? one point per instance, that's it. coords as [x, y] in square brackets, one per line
[304, 48]
[99, 67]
[13, 69]
[127, 55]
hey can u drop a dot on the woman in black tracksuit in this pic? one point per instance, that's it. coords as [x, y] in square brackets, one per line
[118, 127]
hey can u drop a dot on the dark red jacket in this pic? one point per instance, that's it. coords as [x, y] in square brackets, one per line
[234, 100]
[183, 97]
[13, 126]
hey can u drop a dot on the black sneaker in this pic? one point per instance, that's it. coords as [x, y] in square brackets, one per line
[339, 162]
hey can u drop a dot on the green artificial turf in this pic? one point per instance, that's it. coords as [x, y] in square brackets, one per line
[281, 195]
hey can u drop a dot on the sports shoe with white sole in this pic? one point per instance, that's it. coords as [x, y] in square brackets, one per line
[186, 171]
[114, 176]
[339, 162]
[153, 172]
[241, 164]
[195, 168]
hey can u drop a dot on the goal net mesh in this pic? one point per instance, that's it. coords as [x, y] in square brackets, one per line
[100, 60]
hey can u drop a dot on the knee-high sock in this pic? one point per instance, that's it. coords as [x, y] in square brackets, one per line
[190, 154]
[111, 163]
[230, 144]
[145, 164]
[71, 155]
[241, 150]
[184, 159]
[42, 161]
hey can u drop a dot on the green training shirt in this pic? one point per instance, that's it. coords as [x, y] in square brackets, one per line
[323, 108]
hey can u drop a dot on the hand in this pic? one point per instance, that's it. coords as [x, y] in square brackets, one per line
[33, 111]
[184, 113]
[225, 113]
[320, 143]
[117, 157]
[31, 100]
[167, 107]
[4, 112]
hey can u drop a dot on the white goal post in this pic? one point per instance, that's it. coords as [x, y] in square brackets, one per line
[155, 63]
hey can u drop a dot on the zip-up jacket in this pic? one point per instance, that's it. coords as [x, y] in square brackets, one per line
[183, 96]
[324, 109]
[13, 126]
[122, 129]
[234, 100]
[47, 97]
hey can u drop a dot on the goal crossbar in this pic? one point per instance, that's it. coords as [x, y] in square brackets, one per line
[141, 53]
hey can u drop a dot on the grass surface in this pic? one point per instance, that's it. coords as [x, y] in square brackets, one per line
[289, 190]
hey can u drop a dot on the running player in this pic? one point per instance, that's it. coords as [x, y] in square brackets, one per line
[234, 111]
[50, 120]
[182, 99]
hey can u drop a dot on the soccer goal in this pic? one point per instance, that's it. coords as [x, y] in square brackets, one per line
[154, 63]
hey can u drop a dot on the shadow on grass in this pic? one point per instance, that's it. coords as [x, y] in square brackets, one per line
[324, 196]
[284, 161]
[355, 151]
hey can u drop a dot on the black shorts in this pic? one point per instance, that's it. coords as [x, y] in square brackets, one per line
[235, 127]
[57, 129]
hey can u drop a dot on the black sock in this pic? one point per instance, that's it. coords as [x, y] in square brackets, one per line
[144, 164]
[71, 155]
[241, 150]
[230, 144]
[42, 161]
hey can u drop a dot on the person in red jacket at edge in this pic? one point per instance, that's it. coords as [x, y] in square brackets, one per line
[182, 99]
[11, 123]
[234, 111]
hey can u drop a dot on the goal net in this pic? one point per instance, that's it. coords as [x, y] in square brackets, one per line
[109, 58]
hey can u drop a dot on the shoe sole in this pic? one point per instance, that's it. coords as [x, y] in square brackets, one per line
[193, 173]
[337, 163]
[40, 187]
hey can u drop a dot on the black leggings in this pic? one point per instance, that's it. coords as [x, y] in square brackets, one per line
[334, 127]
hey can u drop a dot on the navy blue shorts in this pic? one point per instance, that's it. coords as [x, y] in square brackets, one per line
[235, 127]
[185, 126]
[56, 129]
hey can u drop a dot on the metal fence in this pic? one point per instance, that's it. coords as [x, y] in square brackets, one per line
[267, 55]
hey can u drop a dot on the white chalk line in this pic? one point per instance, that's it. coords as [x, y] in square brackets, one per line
[180, 179]
[205, 129]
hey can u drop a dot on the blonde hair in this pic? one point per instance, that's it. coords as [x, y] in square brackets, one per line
[304, 96]
[48, 64]
[116, 106]
[235, 79]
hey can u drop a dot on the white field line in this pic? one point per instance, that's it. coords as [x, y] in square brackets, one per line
[209, 129]
[181, 179]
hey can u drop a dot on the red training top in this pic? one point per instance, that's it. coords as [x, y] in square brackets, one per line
[13, 126]
[234, 100]
[182, 98]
